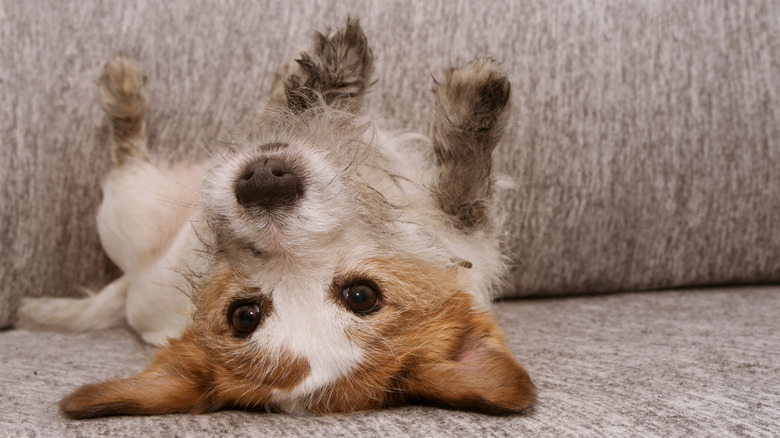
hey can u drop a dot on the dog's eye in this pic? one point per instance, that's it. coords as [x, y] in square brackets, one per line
[244, 317]
[361, 298]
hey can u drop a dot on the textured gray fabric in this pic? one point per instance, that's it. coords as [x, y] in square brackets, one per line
[667, 364]
[644, 142]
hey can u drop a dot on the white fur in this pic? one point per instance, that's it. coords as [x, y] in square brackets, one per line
[143, 226]
[311, 326]
[95, 312]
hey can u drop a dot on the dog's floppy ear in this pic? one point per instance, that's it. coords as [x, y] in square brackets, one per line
[173, 383]
[481, 376]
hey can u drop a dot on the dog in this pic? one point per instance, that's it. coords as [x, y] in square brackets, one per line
[317, 264]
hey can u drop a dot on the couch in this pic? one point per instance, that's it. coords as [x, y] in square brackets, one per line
[641, 169]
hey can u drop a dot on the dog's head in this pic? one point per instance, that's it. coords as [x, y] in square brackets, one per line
[329, 288]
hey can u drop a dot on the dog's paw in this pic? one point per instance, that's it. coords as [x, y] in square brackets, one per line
[123, 99]
[121, 89]
[472, 105]
[474, 99]
[337, 67]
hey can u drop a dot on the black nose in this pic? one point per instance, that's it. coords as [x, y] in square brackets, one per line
[268, 183]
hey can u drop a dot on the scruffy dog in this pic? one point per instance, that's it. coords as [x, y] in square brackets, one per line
[322, 266]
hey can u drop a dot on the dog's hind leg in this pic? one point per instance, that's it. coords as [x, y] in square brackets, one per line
[144, 204]
[471, 112]
[144, 207]
[103, 310]
[123, 99]
[337, 68]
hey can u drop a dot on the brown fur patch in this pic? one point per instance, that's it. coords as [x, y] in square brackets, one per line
[208, 368]
[430, 343]
[245, 376]
[176, 381]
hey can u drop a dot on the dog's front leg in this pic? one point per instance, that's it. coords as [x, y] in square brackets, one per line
[471, 112]
[336, 68]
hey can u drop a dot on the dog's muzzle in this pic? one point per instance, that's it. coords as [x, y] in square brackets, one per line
[268, 183]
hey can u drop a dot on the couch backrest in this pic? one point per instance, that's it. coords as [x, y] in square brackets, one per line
[644, 144]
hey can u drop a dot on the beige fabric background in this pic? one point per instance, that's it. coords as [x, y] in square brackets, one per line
[644, 142]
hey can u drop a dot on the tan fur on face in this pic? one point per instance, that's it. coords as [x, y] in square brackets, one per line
[428, 342]
[207, 369]
[245, 366]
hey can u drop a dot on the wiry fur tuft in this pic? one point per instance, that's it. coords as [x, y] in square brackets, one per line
[338, 68]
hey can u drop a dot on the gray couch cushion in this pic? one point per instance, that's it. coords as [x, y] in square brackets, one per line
[666, 364]
[644, 143]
